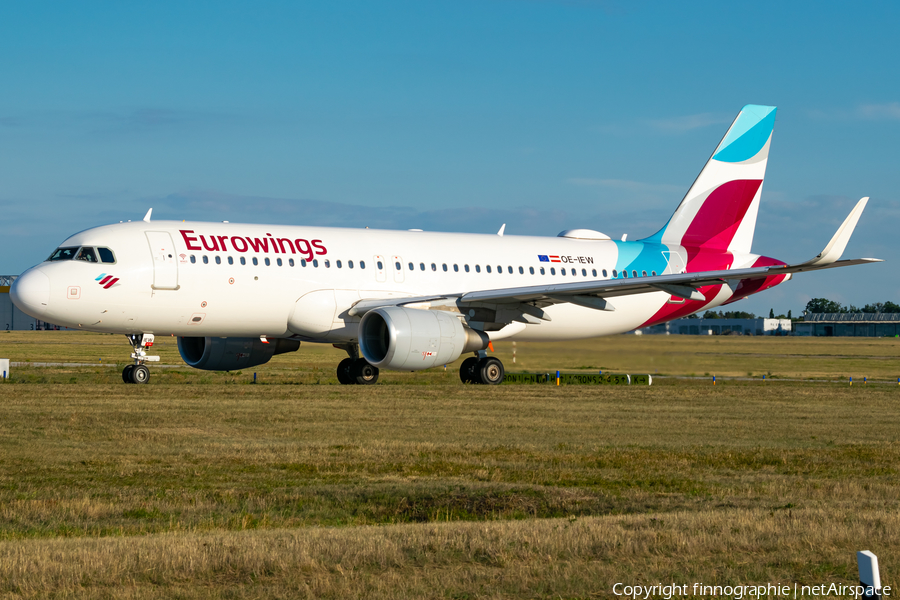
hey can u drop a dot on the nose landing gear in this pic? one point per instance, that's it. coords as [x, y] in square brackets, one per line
[138, 372]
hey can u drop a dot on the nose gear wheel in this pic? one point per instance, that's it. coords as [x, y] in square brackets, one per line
[138, 372]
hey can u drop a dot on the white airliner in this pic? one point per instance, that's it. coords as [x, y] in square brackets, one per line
[237, 294]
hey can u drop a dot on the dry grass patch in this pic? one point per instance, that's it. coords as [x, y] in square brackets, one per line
[570, 558]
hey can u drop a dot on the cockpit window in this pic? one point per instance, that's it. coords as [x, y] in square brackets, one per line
[64, 253]
[106, 255]
[87, 255]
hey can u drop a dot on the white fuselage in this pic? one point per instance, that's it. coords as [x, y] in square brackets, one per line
[237, 279]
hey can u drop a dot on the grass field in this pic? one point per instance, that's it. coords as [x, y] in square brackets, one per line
[200, 485]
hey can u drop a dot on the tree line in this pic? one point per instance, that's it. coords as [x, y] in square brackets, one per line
[816, 305]
[824, 305]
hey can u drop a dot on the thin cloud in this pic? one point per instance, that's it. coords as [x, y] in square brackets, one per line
[125, 120]
[880, 112]
[687, 123]
[886, 111]
[639, 187]
[210, 205]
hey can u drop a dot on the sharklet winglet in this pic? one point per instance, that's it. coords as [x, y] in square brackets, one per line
[838, 243]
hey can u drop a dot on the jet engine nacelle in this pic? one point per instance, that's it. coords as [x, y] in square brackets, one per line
[412, 339]
[231, 354]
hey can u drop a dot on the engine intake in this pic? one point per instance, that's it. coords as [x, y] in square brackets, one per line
[411, 339]
[230, 354]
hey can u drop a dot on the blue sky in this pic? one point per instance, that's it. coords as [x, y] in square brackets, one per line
[449, 116]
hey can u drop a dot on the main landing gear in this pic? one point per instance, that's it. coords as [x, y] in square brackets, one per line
[481, 369]
[138, 372]
[355, 370]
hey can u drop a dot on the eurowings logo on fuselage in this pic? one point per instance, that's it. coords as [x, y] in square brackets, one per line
[107, 281]
[307, 249]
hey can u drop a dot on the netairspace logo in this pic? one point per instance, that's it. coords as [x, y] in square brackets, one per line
[739, 592]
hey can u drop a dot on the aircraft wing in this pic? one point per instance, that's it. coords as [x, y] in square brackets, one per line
[524, 304]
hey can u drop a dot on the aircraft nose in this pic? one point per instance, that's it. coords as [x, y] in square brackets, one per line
[31, 292]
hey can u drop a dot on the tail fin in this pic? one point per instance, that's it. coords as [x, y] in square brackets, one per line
[719, 211]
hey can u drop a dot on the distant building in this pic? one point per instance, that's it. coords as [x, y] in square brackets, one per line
[849, 324]
[720, 327]
[11, 318]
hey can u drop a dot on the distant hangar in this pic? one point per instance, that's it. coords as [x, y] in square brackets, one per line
[11, 318]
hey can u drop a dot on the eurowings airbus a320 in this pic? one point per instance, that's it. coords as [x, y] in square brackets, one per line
[237, 294]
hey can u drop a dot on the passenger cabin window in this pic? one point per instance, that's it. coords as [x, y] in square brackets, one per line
[106, 255]
[64, 253]
[205, 260]
[193, 259]
[478, 268]
[302, 262]
[433, 267]
[230, 260]
[255, 261]
[531, 270]
[397, 265]
[521, 271]
[327, 264]
[455, 268]
[604, 272]
[488, 268]
[290, 262]
[412, 267]
[552, 270]
[349, 264]
[466, 267]
[380, 265]
[584, 272]
[87, 255]
[218, 260]
[243, 261]
[316, 263]
[362, 264]
[542, 271]
[278, 262]
[444, 266]
[338, 263]
[421, 266]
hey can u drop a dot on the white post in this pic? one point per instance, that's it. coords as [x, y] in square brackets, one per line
[4, 368]
[869, 577]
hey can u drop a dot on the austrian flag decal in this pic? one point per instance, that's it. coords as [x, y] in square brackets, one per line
[107, 281]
